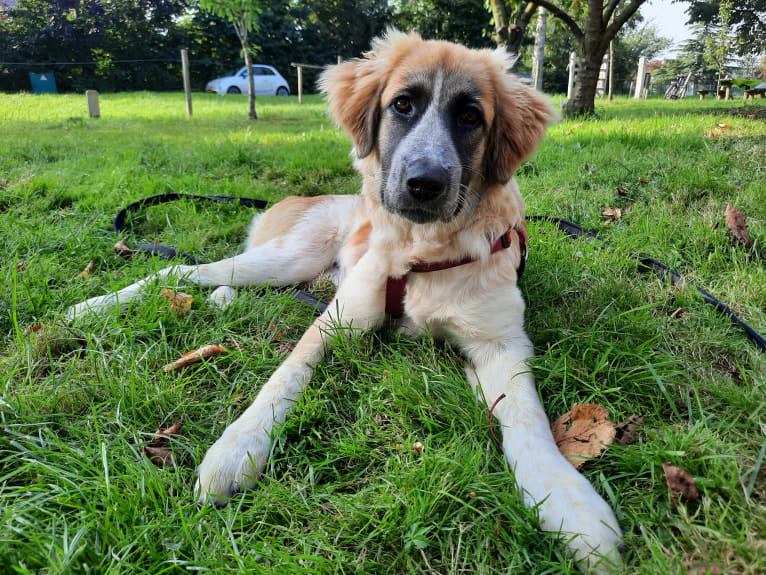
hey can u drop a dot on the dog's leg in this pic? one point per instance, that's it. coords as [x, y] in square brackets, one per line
[275, 262]
[242, 450]
[566, 498]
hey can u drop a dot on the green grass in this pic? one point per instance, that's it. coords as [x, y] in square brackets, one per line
[77, 494]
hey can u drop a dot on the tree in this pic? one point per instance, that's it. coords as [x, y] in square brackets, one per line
[599, 22]
[747, 20]
[511, 19]
[718, 44]
[243, 14]
[462, 21]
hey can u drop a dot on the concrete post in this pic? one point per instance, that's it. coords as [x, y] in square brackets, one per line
[537, 62]
[187, 80]
[572, 70]
[603, 76]
[640, 77]
[300, 84]
[91, 96]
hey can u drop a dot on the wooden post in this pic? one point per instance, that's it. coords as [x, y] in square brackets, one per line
[91, 96]
[572, 69]
[340, 59]
[187, 80]
[300, 84]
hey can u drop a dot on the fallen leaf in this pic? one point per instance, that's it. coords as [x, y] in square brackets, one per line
[577, 125]
[472, 494]
[195, 356]
[702, 568]
[163, 433]
[625, 431]
[33, 329]
[122, 249]
[643, 181]
[159, 456]
[680, 484]
[736, 221]
[678, 313]
[90, 269]
[180, 302]
[286, 347]
[21, 267]
[723, 126]
[621, 192]
[583, 433]
[615, 213]
[418, 448]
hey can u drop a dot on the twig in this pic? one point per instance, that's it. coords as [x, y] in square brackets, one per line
[491, 411]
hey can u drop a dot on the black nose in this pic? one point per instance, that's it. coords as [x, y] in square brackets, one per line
[426, 181]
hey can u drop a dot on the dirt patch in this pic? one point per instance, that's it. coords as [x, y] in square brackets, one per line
[751, 112]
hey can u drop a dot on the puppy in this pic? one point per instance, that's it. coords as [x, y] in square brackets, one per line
[436, 239]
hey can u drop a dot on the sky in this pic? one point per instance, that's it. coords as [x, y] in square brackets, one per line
[670, 20]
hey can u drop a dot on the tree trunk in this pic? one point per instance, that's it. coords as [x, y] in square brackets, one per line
[240, 27]
[250, 83]
[583, 103]
[537, 63]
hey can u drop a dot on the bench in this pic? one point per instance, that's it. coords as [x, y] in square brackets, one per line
[750, 93]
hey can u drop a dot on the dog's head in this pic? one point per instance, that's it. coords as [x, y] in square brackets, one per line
[444, 123]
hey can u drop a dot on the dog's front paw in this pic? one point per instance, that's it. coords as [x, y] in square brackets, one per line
[587, 523]
[231, 463]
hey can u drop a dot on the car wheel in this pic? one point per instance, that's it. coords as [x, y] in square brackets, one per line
[233, 90]
[282, 91]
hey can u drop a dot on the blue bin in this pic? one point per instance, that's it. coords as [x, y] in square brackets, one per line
[43, 83]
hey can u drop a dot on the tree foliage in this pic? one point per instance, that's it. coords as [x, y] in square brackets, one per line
[746, 18]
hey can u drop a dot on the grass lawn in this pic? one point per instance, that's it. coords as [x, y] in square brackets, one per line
[78, 402]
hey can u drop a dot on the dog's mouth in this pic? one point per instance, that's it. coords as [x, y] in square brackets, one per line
[419, 215]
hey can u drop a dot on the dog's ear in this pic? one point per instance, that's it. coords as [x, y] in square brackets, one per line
[521, 116]
[353, 94]
[354, 88]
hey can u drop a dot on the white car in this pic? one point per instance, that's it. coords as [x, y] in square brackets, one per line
[268, 82]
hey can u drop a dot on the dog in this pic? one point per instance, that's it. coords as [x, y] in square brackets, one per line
[437, 238]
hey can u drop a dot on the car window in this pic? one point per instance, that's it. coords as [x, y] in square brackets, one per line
[266, 72]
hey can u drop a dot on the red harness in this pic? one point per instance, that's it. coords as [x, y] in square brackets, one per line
[395, 287]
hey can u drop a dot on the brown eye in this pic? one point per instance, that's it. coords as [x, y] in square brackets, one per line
[403, 105]
[469, 118]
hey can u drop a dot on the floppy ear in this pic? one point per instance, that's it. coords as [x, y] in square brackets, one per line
[353, 93]
[521, 116]
[354, 88]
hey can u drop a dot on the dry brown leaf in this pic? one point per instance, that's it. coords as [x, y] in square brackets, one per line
[164, 433]
[122, 249]
[723, 126]
[736, 221]
[180, 302]
[195, 356]
[680, 484]
[625, 431]
[702, 569]
[643, 181]
[418, 448]
[90, 269]
[621, 192]
[34, 328]
[615, 213]
[21, 267]
[159, 456]
[583, 432]
[577, 125]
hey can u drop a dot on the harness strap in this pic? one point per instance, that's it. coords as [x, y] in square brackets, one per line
[396, 287]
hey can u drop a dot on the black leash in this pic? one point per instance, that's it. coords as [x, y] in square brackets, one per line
[569, 228]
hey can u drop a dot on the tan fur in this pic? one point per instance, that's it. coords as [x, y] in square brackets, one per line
[279, 220]
[477, 306]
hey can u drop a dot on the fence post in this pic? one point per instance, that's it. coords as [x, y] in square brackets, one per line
[340, 59]
[91, 96]
[187, 80]
[539, 53]
[300, 84]
[572, 69]
[640, 78]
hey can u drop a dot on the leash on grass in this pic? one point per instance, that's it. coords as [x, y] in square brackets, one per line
[569, 228]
